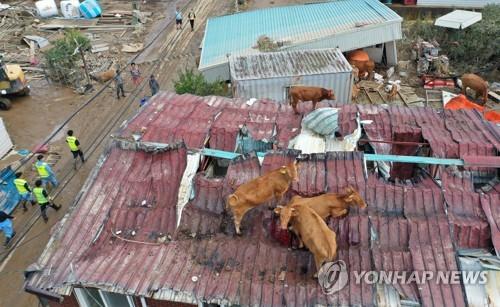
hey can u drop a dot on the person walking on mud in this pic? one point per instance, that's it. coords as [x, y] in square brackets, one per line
[74, 146]
[43, 199]
[178, 19]
[119, 84]
[191, 17]
[6, 226]
[24, 190]
[153, 85]
[45, 172]
[135, 73]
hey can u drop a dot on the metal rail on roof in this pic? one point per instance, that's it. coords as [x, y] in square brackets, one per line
[413, 159]
[479, 161]
[369, 157]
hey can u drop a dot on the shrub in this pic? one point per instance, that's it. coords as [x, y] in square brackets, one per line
[470, 49]
[194, 83]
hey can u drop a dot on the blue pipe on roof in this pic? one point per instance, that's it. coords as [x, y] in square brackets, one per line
[369, 157]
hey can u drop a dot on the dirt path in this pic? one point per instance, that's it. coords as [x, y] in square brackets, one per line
[33, 118]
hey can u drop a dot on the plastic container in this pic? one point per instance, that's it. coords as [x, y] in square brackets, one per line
[46, 8]
[90, 9]
[70, 8]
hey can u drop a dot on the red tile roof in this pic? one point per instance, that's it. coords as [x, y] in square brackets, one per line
[113, 241]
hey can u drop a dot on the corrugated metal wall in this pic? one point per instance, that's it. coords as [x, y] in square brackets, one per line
[366, 36]
[457, 3]
[5, 142]
[274, 88]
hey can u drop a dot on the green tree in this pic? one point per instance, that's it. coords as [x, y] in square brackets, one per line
[63, 59]
[194, 83]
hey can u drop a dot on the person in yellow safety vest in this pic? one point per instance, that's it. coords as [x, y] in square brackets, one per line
[45, 172]
[74, 146]
[24, 190]
[43, 199]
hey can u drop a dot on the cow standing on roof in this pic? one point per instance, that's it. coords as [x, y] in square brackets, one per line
[309, 93]
[257, 191]
[312, 230]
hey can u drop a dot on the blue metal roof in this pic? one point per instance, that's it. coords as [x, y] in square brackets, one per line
[237, 34]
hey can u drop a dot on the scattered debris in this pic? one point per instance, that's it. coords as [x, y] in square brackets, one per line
[132, 48]
[266, 44]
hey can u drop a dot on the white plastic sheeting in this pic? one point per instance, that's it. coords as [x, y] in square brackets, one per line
[458, 19]
[481, 294]
[186, 187]
[5, 141]
[309, 142]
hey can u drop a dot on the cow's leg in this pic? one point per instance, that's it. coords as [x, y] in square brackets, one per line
[301, 244]
[294, 101]
[464, 89]
[318, 261]
[237, 217]
[314, 104]
[339, 213]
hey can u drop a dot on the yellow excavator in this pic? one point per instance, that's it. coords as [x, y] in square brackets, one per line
[12, 82]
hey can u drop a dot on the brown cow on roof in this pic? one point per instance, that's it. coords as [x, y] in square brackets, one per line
[251, 194]
[317, 237]
[308, 93]
[331, 204]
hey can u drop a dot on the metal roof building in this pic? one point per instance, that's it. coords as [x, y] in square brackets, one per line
[269, 75]
[347, 24]
[121, 242]
[457, 3]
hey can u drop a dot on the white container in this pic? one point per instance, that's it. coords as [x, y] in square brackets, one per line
[70, 8]
[5, 141]
[46, 8]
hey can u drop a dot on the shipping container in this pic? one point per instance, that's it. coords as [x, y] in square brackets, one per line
[270, 75]
[5, 141]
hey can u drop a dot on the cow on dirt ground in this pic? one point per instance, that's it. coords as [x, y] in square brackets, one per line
[251, 194]
[475, 83]
[104, 76]
[331, 204]
[313, 232]
[309, 93]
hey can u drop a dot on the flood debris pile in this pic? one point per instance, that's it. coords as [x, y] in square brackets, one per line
[37, 38]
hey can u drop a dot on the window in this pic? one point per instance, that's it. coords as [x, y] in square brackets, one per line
[90, 297]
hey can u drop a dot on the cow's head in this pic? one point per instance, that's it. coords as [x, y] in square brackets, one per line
[352, 197]
[286, 213]
[331, 95]
[291, 170]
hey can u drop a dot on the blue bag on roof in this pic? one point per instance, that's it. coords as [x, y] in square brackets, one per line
[90, 9]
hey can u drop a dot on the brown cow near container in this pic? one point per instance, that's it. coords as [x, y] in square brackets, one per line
[475, 83]
[273, 184]
[308, 93]
[312, 229]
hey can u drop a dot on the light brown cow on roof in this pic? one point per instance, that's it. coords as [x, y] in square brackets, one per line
[308, 93]
[312, 229]
[331, 204]
[251, 194]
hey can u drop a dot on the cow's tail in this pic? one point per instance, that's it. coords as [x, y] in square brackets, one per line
[231, 201]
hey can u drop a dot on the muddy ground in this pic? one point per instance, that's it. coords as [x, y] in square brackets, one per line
[33, 118]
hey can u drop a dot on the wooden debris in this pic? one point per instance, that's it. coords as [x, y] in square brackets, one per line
[132, 48]
[99, 48]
